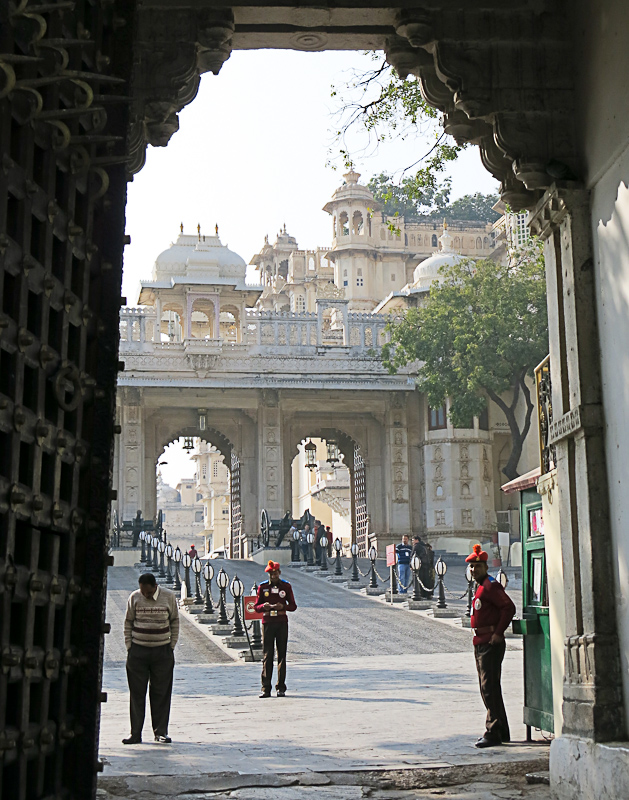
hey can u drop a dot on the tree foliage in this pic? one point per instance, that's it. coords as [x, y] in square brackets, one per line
[385, 106]
[480, 334]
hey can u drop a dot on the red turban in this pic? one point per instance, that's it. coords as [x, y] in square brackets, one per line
[477, 554]
[273, 566]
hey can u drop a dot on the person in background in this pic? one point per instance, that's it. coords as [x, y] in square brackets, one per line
[404, 551]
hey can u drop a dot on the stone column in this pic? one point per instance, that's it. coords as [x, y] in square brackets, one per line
[593, 705]
[131, 483]
[397, 468]
[271, 456]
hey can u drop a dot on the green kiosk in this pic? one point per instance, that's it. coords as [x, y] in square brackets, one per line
[534, 625]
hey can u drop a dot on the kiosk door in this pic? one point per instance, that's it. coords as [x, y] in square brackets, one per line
[534, 625]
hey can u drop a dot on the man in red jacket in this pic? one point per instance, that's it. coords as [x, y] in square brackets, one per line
[275, 598]
[492, 611]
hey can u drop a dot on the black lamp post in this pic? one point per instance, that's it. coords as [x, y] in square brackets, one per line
[155, 542]
[295, 546]
[208, 574]
[196, 568]
[143, 553]
[338, 546]
[256, 628]
[149, 550]
[310, 538]
[470, 590]
[323, 541]
[237, 589]
[177, 559]
[169, 563]
[222, 580]
[373, 554]
[355, 576]
[186, 560]
[416, 564]
[502, 578]
[441, 568]
[161, 547]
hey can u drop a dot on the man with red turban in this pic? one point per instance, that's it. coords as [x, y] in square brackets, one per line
[275, 598]
[492, 611]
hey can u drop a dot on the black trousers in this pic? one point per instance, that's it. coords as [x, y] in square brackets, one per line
[489, 658]
[152, 667]
[274, 637]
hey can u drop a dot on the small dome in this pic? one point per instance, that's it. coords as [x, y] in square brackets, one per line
[199, 255]
[428, 271]
[166, 493]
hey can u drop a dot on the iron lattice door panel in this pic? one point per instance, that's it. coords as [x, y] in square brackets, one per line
[361, 517]
[236, 512]
[64, 71]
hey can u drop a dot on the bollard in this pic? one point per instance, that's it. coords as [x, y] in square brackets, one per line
[237, 589]
[208, 574]
[177, 558]
[338, 546]
[441, 568]
[222, 581]
[355, 576]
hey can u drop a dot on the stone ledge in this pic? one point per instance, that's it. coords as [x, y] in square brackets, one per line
[419, 605]
[444, 613]
[581, 769]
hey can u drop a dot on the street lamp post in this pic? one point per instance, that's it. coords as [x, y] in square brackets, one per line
[295, 546]
[470, 590]
[502, 578]
[237, 589]
[373, 554]
[196, 568]
[311, 538]
[441, 568]
[155, 542]
[149, 550]
[256, 628]
[208, 574]
[416, 564]
[338, 546]
[161, 547]
[143, 553]
[169, 563]
[324, 549]
[186, 561]
[222, 580]
[355, 576]
[177, 559]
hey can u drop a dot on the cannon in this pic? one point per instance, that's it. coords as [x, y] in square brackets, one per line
[134, 526]
[280, 527]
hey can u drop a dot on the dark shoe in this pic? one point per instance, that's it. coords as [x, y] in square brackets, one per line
[132, 740]
[484, 742]
[281, 692]
[264, 693]
[163, 739]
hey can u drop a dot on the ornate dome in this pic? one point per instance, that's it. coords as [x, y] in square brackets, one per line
[199, 255]
[166, 493]
[428, 271]
[350, 191]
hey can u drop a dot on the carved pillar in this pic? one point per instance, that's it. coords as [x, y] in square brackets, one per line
[272, 463]
[592, 705]
[131, 454]
[397, 468]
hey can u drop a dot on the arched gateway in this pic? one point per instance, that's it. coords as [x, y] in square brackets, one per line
[539, 87]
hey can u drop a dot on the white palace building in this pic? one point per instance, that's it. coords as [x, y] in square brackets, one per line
[255, 371]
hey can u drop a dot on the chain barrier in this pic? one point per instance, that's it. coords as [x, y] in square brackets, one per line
[410, 583]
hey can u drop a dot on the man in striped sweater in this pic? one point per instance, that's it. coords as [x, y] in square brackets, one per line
[151, 630]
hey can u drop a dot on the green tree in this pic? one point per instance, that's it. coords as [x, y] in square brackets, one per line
[480, 334]
[478, 207]
[406, 199]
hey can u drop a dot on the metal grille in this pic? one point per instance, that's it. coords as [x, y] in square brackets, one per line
[235, 544]
[547, 451]
[361, 518]
[62, 192]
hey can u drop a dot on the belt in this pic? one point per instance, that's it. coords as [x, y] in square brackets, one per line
[487, 629]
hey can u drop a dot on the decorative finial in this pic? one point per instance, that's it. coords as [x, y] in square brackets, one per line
[181, 227]
[216, 228]
[199, 231]
[266, 239]
[445, 224]
[284, 227]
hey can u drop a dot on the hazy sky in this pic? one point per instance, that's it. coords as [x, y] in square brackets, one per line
[250, 155]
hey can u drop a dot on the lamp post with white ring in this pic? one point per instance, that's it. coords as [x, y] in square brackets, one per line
[441, 568]
[222, 581]
[161, 547]
[169, 562]
[373, 555]
[354, 550]
[416, 564]
[237, 590]
[338, 546]
[208, 574]
[143, 553]
[186, 561]
[196, 568]
[177, 560]
[323, 541]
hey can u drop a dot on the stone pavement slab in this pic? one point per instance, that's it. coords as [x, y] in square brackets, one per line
[340, 714]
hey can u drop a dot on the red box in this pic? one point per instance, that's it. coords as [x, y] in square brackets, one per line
[250, 612]
[391, 555]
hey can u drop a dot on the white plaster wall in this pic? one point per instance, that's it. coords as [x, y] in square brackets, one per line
[603, 28]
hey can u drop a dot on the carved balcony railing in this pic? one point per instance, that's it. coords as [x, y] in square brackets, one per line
[547, 457]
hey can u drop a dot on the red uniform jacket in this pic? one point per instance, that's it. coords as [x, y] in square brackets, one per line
[282, 593]
[492, 609]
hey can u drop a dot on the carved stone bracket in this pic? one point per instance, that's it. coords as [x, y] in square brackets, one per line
[173, 49]
[519, 114]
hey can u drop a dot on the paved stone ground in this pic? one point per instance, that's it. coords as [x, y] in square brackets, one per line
[371, 689]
